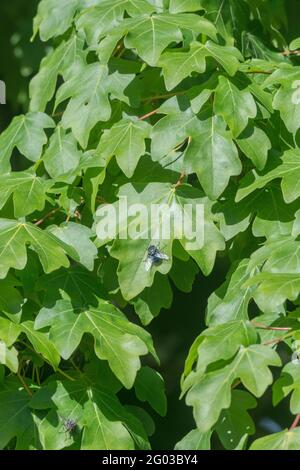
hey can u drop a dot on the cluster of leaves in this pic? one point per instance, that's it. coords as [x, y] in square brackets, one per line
[167, 101]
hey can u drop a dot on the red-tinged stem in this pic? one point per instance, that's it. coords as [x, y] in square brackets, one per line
[295, 422]
[287, 53]
[272, 328]
[277, 340]
[179, 182]
[166, 95]
[141, 118]
[39, 222]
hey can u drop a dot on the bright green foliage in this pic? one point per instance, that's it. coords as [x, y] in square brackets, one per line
[174, 103]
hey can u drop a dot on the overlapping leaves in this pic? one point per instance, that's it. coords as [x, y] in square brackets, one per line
[160, 103]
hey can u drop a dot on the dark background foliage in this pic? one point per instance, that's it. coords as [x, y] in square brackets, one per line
[174, 330]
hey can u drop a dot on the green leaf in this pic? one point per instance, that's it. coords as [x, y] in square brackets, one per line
[223, 341]
[9, 331]
[132, 252]
[211, 152]
[175, 124]
[53, 18]
[230, 301]
[236, 105]
[95, 408]
[126, 141]
[100, 19]
[41, 343]
[295, 44]
[62, 157]
[274, 289]
[274, 218]
[213, 156]
[236, 422]
[183, 274]
[9, 357]
[150, 302]
[116, 339]
[15, 414]
[29, 191]
[67, 59]
[253, 363]
[11, 301]
[195, 440]
[149, 386]
[209, 397]
[212, 392]
[287, 102]
[150, 35]
[279, 277]
[285, 440]
[255, 144]
[26, 132]
[230, 18]
[14, 236]
[181, 6]
[179, 65]
[89, 101]
[101, 432]
[287, 170]
[288, 382]
[76, 284]
[78, 237]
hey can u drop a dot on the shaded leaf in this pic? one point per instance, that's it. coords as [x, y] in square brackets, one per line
[14, 236]
[116, 339]
[149, 386]
[26, 132]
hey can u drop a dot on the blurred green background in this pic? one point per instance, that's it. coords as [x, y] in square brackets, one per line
[174, 330]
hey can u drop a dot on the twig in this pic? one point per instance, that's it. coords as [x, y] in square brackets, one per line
[287, 53]
[141, 118]
[272, 328]
[58, 114]
[39, 222]
[236, 384]
[161, 97]
[65, 375]
[46, 360]
[277, 340]
[179, 182]
[27, 389]
[120, 50]
[295, 422]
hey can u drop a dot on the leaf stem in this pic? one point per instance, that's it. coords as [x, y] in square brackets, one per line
[65, 375]
[151, 113]
[277, 340]
[39, 222]
[179, 182]
[295, 423]
[272, 328]
[161, 97]
[295, 52]
[60, 113]
[26, 388]
[46, 360]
